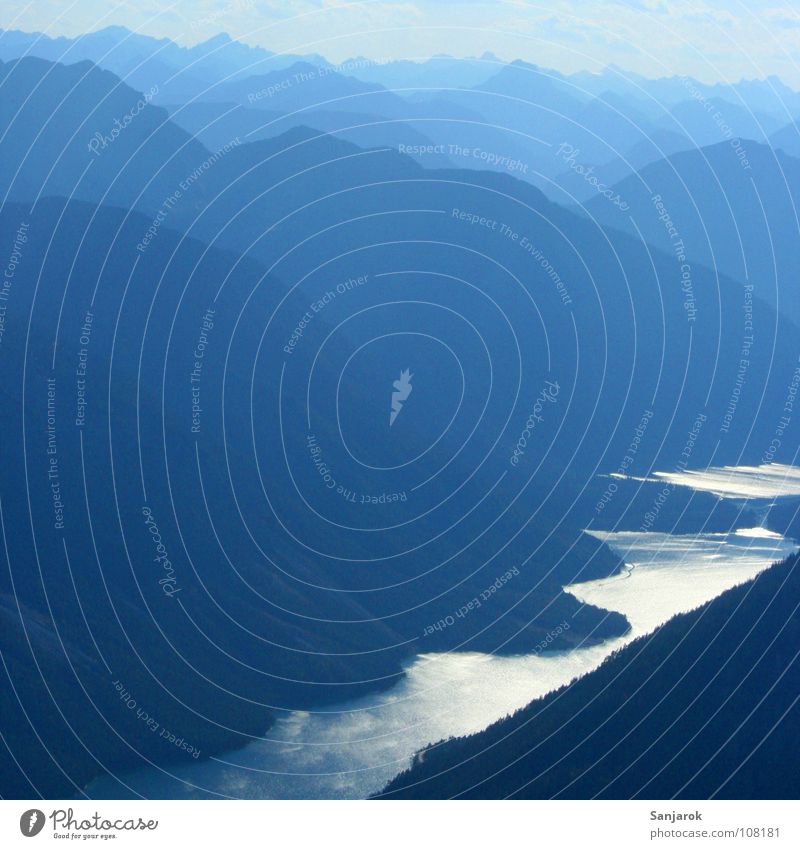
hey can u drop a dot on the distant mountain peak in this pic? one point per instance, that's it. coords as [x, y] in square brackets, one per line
[123, 33]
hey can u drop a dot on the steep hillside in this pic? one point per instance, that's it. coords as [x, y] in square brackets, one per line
[731, 208]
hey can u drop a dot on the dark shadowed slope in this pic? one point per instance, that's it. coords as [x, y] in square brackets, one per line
[733, 209]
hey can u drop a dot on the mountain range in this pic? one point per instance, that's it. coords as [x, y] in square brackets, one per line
[222, 261]
[706, 707]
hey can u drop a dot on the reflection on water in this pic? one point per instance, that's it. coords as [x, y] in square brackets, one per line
[352, 750]
[766, 483]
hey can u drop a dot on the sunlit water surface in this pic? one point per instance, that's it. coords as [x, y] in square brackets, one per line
[767, 483]
[353, 749]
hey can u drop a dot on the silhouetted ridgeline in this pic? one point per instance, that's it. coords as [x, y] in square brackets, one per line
[704, 707]
[740, 215]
